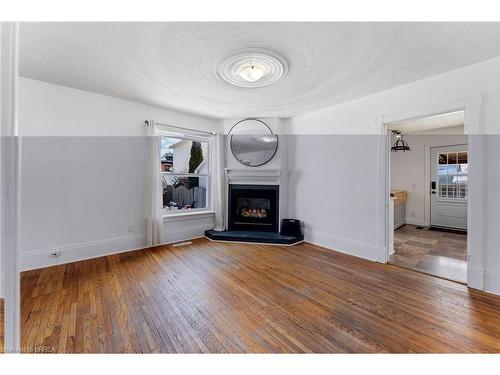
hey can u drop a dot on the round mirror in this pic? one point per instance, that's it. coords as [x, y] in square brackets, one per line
[253, 142]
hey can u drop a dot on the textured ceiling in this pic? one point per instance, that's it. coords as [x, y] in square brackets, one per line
[172, 64]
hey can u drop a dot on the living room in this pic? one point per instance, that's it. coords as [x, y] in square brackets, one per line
[239, 200]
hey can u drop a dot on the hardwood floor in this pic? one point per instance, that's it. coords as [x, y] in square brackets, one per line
[437, 253]
[241, 298]
[1, 325]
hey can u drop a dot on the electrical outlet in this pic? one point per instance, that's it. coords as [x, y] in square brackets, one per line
[413, 186]
[130, 229]
[413, 214]
[56, 254]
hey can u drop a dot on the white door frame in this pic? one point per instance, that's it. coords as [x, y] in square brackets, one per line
[472, 108]
[10, 174]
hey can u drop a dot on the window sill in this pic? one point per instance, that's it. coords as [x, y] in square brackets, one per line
[186, 215]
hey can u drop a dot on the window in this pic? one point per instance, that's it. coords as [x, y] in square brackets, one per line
[185, 171]
[453, 175]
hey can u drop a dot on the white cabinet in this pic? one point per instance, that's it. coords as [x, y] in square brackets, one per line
[399, 215]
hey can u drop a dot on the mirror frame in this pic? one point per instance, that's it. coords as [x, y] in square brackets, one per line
[270, 131]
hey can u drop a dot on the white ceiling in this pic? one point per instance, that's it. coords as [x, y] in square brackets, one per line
[424, 124]
[172, 64]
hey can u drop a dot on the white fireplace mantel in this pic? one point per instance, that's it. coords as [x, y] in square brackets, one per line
[253, 177]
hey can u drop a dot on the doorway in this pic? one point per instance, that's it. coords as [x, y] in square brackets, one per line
[429, 188]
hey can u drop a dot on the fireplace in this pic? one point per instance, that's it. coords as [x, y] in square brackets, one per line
[253, 207]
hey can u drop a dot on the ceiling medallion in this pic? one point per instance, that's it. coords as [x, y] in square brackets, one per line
[252, 67]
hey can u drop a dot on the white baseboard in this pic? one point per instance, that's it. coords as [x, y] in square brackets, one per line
[176, 228]
[182, 228]
[487, 280]
[492, 281]
[80, 251]
[345, 245]
[418, 223]
[475, 278]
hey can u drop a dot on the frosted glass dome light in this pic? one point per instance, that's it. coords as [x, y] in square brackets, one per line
[251, 72]
[252, 67]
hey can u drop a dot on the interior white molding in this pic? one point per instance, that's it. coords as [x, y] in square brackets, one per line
[473, 126]
[187, 227]
[345, 245]
[492, 281]
[255, 176]
[176, 228]
[80, 251]
[10, 183]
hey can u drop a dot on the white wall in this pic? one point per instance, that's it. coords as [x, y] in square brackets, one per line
[408, 172]
[468, 86]
[82, 194]
[84, 183]
[46, 109]
[362, 116]
[333, 190]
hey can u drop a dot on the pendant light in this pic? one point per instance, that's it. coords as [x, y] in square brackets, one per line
[400, 144]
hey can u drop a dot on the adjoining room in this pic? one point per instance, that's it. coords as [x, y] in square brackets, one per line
[429, 184]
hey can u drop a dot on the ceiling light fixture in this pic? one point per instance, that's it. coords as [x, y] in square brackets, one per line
[400, 144]
[251, 72]
[252, 67]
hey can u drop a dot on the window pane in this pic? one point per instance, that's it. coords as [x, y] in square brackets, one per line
[450, 191]
[462, 158]
[184, 156]
[452, 169]
[442, 170]
[463, 169]
[452, 158]
[463, 191]
[443, 180]
[442, 190]
[442, 159]
[184, 193]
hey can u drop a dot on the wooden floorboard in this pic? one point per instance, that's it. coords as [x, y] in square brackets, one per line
[1, 326]
[212, 297]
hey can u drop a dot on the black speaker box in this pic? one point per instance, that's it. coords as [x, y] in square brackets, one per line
[291, 227]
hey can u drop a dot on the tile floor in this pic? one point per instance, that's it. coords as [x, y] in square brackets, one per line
[437, 253]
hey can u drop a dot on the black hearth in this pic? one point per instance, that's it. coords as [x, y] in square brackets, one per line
[253, 216]
[253, 208]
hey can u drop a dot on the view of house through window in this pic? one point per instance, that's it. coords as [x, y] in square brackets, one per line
[453, 172]
[184, 165]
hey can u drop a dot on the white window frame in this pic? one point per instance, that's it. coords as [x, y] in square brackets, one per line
[438, 185]
[188, 136]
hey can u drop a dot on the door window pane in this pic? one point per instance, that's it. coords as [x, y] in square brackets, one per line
[452, 158]
[462, 158]
[452, 171]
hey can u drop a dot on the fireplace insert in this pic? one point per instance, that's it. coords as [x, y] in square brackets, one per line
[253, 207]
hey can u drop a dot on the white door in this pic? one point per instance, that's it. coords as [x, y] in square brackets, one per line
[449, 182]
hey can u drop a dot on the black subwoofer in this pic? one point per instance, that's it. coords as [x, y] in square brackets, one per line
[291, 227]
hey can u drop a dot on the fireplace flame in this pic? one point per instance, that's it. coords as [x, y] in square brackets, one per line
[260, 213]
